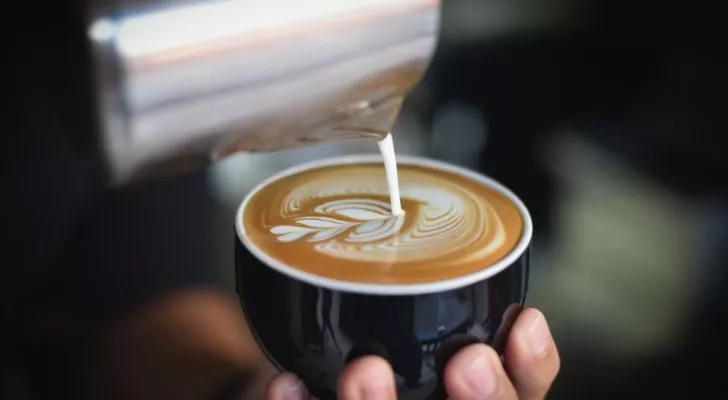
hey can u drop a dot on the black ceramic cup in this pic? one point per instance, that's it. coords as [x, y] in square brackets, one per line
[312, 326]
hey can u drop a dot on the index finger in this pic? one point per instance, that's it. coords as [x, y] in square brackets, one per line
[531, 356]
[367, 378]
[476, 373]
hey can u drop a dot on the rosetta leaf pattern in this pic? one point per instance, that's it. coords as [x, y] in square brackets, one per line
[341, 216]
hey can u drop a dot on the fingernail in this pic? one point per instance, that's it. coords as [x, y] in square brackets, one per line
[296, 391]
[538, 336]
[480, 376]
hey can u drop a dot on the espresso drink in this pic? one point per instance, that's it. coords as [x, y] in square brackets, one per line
[335, 221]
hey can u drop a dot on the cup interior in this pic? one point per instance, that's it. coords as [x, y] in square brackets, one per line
[390, 289]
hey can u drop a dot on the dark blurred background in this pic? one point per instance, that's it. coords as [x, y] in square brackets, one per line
[607, 118]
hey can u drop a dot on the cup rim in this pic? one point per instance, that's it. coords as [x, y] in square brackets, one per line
[379, 288]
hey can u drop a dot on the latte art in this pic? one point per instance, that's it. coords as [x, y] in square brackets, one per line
[337, 222]
[361, 220]
[445, 219]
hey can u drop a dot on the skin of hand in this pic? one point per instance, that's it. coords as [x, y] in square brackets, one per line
[531, 363]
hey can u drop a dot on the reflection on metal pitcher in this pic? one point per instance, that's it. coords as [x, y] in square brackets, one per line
[179, 85]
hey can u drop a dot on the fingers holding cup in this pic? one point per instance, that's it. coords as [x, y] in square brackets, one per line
[476, 373]
[531, 356]
[367, 378]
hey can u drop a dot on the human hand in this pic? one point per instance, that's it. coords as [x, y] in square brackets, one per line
[474, 373]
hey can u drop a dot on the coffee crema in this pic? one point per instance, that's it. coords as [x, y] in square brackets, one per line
[335, 221]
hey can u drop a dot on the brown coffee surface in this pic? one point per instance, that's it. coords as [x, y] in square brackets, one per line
[335, 222]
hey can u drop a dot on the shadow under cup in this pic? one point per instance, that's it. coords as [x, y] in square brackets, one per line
[313, 329]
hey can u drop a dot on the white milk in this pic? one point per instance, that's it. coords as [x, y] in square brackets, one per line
[386, 147]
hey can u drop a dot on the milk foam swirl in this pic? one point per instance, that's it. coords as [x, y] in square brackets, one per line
[340, 216]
